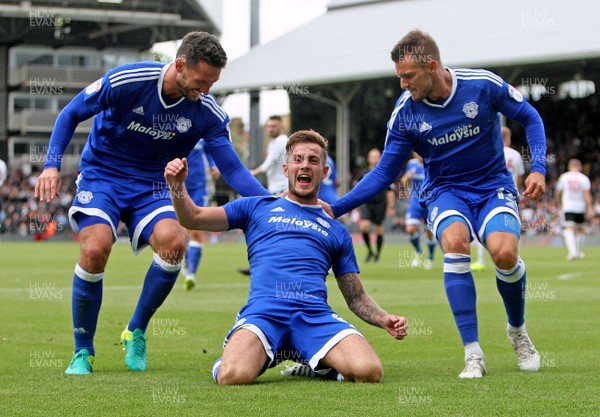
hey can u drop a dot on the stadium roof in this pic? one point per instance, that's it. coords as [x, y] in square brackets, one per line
[353, 40]
[101, 23]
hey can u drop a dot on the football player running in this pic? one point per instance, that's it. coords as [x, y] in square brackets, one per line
[450, 117]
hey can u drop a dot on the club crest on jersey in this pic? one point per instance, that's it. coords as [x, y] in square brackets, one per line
[183, 124]
[471, 109]
[84, 197]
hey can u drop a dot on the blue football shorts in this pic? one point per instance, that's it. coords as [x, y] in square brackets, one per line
[293, 330]
[477, 211]
[415, 213]
[139, 204]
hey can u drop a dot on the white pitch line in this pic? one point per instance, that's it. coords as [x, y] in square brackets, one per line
[569, 276]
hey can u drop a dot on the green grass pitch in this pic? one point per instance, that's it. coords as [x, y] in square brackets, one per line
[186, 334]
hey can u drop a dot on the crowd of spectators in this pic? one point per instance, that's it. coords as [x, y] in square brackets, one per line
[572, 132]
[23, 216]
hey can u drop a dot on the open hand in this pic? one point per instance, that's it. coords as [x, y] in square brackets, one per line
[48, 184]
[327, 208]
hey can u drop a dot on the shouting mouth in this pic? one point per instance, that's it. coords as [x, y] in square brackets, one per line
[304, 179]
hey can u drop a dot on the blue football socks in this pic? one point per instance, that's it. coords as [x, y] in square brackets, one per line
[85, 303]
[159, 281]
[415, 239]
[193, 256]
[512, 284]
[460, 290]
[431, 246]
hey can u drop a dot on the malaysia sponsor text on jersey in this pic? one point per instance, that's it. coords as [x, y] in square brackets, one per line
[458, 134]
[156, 134]
[297, 224]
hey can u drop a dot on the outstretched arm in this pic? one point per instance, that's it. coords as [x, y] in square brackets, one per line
[232, 169]
[367, 309]
[376, 181]
[49, 183]
[191, 216]
[514, 107]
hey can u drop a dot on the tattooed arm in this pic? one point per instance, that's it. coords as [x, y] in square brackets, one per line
[367, 309]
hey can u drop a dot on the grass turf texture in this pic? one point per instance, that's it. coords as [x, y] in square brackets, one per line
[185, 337]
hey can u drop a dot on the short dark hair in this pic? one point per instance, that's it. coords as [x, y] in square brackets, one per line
[202, 46]
[306, 136]
[276, 117]
[419, 46]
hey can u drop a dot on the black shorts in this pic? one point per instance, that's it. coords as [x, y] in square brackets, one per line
[374, 212]
[577, 218]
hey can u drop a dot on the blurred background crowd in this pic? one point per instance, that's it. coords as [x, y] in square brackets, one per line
[572, 132]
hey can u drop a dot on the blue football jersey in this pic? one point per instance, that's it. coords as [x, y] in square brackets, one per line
[416, 189]
[137, 130]
[328, 190]
[291, 247]
[458, 137]
[196, 178]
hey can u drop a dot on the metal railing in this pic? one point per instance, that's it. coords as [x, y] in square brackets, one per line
[35, 121]
[46, 77]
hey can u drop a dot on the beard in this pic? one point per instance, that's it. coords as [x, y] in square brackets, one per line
[189, 93]
[303, 194]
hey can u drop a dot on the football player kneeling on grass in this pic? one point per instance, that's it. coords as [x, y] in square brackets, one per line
[292, 243]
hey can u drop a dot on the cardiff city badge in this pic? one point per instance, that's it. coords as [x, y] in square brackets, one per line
[84, 197]
[471, 109]
[183, 124]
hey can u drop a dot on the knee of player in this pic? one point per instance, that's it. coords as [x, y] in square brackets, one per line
[234, 375]
[373, 373]
[95, 251]
[178, 245]
[454, 243]
[505, 257]
[365, 371]
[171, 247]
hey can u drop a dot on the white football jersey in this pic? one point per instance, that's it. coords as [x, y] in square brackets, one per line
[273, 164]
[514, 163]
[573, 186]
